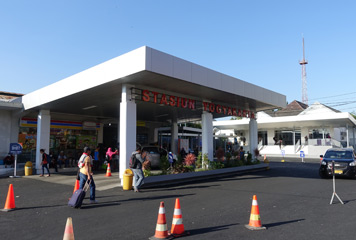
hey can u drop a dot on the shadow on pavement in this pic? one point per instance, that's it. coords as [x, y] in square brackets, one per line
[143, 198]
[180, 188]
[38, 207]
[271, 225]
[100, 204]
[210, 229]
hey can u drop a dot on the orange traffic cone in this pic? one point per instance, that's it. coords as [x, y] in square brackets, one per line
[108, 171]
[177, 223]
[68, 231]
[255, 220]
[10, 200]
[76, 186]
[161, 227]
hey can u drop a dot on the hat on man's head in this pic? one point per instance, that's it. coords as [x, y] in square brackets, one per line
[86, 149]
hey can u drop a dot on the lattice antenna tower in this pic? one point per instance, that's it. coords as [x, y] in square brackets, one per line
[304, 78]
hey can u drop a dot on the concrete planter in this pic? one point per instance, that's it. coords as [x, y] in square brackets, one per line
[153, 181]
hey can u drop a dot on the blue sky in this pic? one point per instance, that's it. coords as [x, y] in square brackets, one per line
[257, 41]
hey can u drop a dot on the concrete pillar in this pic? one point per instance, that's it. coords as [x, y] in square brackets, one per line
[101, 133]
[270, 136]
[207, 135]
[253, 136]
[304, 132]
[155, 135]
[43, 134]
[347, 136]
[247, 137]
[174, 136]
[127, 128]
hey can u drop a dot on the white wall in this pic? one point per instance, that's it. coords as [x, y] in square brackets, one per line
[5, 132]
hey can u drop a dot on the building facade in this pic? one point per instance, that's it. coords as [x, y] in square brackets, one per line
[311, 129]
[144, 89]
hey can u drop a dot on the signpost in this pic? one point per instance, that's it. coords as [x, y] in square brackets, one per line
[15, 149]
[283, 153]
[334, 190]
[302, 155]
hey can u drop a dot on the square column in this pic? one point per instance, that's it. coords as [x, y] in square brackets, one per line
[101, 133]
[270, 136]
[174, 137]
[347, 136]
[253, 136]
[128, 120]
[207, 135]
[304, 132]
[43, 133]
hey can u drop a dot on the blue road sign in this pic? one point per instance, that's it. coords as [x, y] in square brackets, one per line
[283, 152]
[302, 154]
[15, 148]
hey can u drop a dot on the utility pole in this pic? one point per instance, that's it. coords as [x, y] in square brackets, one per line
[304, 78]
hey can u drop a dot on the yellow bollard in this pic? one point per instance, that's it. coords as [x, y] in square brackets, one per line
[127, 181]
[28, 168]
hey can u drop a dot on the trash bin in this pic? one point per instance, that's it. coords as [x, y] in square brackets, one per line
[128, 177]
[28, 168]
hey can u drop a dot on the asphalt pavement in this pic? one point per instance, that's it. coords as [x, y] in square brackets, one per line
[293, 203]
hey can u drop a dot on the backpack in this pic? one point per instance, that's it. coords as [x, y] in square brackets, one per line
[81, 162]
[45, 157]
[133, 161]
[49, 159]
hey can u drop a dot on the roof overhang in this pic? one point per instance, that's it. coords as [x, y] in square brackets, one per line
[10, 105]
[292, 122]
[96, 92]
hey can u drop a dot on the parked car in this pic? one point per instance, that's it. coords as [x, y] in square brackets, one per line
[154, 154]
[344, 163]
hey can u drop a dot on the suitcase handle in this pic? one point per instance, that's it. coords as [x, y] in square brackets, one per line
[86, 185]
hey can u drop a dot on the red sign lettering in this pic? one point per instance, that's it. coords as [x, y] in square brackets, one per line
[145, 95]
[174, 101]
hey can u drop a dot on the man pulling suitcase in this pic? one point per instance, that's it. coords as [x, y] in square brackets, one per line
[86, 176]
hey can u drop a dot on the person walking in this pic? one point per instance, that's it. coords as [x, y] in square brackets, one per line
[137, 170]
[242, 153]
[86, 174]
[96, 159]
[44, 163]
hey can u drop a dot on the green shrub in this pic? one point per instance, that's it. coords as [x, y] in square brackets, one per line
[164, 164]
[206, 161]
[228, 156]
[147, 173]
[198, 162]
[216, 165]
[249, 159]
[188, 169]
